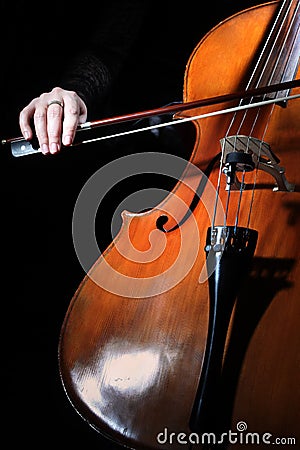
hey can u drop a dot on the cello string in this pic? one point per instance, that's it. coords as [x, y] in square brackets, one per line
[239, 202]
[218, 190]
[263, 51]
[260, 57]
[258, 113]
[286, 35]
[293, 20]
[262, 54]
[220, 176]
[227, 207]
[257, 168]
[232, 121]
[242, 184]
[270, 51]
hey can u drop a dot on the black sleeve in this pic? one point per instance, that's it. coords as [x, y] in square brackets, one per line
[99, 58]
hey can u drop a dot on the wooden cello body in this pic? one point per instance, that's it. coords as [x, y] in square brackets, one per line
[132, 345]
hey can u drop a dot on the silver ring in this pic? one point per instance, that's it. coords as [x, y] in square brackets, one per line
[55, 102]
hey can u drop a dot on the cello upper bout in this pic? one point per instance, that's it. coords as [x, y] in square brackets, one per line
[220, 62]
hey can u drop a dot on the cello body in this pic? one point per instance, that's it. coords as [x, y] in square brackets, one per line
[133, 341]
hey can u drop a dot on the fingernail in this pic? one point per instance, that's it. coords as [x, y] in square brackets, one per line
[45, 149]
[67, 140]
[26, 135]
[54, 147]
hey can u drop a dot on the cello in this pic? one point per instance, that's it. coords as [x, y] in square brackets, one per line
[184, 332]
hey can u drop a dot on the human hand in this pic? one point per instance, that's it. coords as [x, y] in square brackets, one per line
[56, 115]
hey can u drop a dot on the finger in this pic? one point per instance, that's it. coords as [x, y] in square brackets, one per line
[82, 111]
[74, 112]
[25, 117]
[71, 114]
[54, 125]
[40, 124]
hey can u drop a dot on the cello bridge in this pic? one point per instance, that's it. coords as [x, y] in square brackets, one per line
[235, 147]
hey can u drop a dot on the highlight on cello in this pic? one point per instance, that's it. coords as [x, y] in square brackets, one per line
[184, 330]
